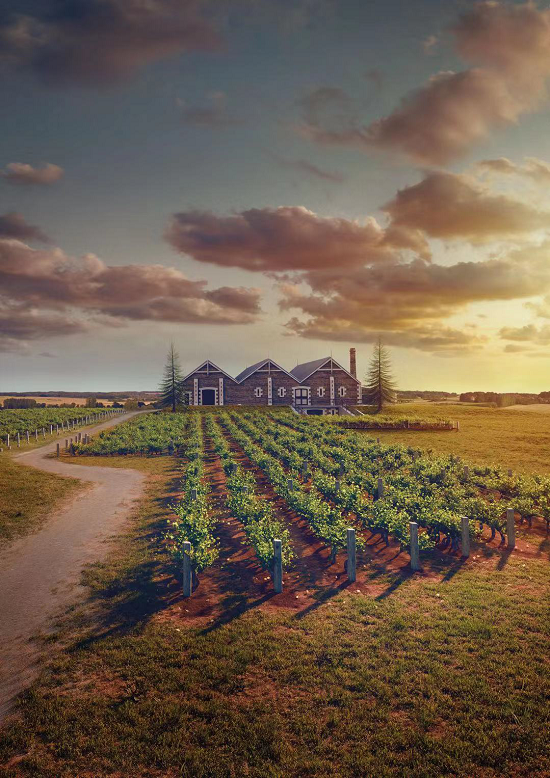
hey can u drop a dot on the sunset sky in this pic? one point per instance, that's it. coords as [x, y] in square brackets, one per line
[268, 177]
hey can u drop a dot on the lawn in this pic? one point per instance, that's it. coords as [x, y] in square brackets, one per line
[510, 438]
[444, 673]
[28, 495]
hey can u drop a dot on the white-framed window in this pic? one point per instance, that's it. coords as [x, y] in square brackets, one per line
[258, 391]
[281, 391]
[341, 391]
[321, 391]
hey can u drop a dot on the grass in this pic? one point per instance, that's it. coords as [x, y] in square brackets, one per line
[517, 439]
[431, 677]
[28, 495]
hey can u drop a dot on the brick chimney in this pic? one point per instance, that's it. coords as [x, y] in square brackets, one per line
[352, 363]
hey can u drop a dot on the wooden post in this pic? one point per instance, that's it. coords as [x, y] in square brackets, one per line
[8, 443]
[57, 429]
[187, 572]
[51, 429]
[290, 484]
[511, 527]
[341, 468]
[66, 444]
[58, 449]
[380, 489]
[509, 473]
[466, 472]
[18, 441]
[457, 426]
[378, 440]
[193, 494]
[337, 485]
[465, 526]
[304, 469]
[28, 436]
[415, 551]
[351, 554]
[36, 435]
[277, 566]
[43, 432]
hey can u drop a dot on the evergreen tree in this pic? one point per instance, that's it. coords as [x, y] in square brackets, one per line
[380, 385]
[171, 386]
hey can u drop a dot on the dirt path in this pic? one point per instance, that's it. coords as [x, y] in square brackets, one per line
[40, 573]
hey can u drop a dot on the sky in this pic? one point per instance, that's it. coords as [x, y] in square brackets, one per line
[253, 178]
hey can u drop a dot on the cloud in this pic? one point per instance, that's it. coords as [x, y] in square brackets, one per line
[21, 173]
[213, 114]
[50, 280]
[508, 48]
[303, 166]
[13, 225]
[92, 43]
[535, 169]
[529, 333]
[276, 239]
[429, 44]
[21, 324]
[450, 206]
[514, 348]
[409, 301]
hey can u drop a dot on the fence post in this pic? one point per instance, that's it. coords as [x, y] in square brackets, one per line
[351, 554]
[415, 552]
[465, 525]
[277, 566]
[511, 527]
[58, 449]
[187, 573]
[380, 489]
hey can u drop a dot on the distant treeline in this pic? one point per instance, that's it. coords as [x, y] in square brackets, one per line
[21, 403]
[502, 400]
[150, 396]
[423, 394]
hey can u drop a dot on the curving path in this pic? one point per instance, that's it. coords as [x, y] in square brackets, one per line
[40, 573]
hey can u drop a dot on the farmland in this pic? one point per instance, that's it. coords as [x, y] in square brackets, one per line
[426, 674]
[42, 421]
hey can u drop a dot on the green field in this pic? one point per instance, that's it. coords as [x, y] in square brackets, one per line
[518, 439]
[438, 673]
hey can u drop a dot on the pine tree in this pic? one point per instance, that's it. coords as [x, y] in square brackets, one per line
[171, 386]
[380, 385]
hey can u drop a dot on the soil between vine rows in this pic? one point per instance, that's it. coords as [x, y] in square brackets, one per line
[236, 582]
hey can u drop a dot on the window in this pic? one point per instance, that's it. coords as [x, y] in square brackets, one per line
[258, 391]
[341, 391]
[281, 391]
[321, 391]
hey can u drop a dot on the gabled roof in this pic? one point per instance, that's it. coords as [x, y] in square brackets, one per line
[302, 372]
[211, 366]
[248, 371]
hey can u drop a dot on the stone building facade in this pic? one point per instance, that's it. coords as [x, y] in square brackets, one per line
[320, 386]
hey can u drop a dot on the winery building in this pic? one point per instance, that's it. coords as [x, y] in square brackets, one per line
[320, 386]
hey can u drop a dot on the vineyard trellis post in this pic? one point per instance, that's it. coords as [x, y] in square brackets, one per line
[290, 484]
[18, 441]
[465, 526]
[380, 489]
[58, 449]
[351, 568]
[511, 527]
[277, 566]
[415, 552]
[187, 572]
[466, 472]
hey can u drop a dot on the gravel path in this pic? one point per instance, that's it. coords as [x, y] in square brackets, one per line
[40, 573]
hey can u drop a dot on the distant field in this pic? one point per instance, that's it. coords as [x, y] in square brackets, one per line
[516, 437]
[56, 400]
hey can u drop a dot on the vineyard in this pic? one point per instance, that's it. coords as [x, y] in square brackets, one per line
[329, 478]
[18, 425]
